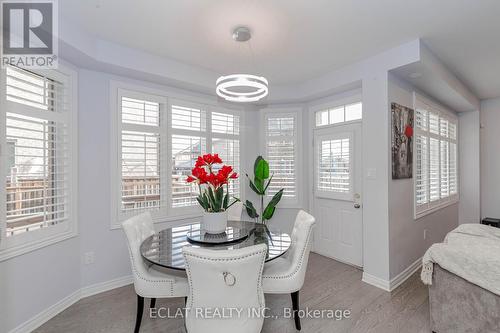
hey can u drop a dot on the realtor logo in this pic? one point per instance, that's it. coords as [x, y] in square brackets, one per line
[29, 38]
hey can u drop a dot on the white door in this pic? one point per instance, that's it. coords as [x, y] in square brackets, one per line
[337, 193]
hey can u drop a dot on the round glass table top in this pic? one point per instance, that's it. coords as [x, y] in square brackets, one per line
[164, 248]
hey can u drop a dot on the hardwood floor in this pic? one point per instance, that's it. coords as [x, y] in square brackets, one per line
[329, 285]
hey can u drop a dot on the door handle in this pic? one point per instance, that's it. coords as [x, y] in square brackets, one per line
[357, 205]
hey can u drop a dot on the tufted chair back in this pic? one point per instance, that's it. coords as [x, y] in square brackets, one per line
[137, 229]
[287, 274]
[225, 280]
[298, 254]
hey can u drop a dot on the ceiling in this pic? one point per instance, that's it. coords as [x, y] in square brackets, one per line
[296, 40]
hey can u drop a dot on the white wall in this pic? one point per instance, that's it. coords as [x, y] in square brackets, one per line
[469, 167]
[490, 158]
[31, 283]
[407, 243]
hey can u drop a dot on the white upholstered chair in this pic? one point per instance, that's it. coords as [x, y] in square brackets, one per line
[147, 281]
[234, 212]
[225, 279]
[285, 275]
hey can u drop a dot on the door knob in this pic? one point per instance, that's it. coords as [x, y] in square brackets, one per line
[357, 205]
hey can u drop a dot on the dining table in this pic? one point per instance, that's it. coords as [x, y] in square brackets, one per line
[164, 248]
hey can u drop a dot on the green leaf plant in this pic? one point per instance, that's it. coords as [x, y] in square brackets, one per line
[259, 184]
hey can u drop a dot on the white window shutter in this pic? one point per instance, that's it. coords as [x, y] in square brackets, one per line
[196, 130]
[185, 151]
[141, 159]
[38, 171]
[334, 166]
[281, 153]
[436, 159]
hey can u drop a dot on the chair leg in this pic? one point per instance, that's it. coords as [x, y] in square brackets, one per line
[140, 309]
[295, 307]
[152, 304]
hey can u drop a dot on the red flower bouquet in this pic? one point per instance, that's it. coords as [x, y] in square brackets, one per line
[212, 181]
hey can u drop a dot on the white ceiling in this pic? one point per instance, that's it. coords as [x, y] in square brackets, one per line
[295, 40]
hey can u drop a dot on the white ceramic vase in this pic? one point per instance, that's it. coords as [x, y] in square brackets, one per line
[214, 223]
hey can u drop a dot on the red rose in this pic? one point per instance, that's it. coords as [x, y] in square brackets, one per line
[234, 175]
[190, 179]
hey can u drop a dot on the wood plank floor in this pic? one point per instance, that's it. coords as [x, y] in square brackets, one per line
[329, 285]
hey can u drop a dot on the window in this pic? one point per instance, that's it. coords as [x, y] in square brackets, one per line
[196, 130]
[158, 142]
[39, 169]
[141, 164]
[333, 166]
[436, 159]
[339, 114]
[281, 151]
[188, 140]
[226, 143]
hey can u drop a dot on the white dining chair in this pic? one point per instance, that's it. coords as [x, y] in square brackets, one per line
[234, 212]
[147, 281]
[285, 275]
[225, 279]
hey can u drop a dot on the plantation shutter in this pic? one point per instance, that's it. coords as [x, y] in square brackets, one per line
[436, 160]
[38, 163]
[188, 141]
[453, 169]
[281, 153]
[334, 166]
[141, 158]
[225, 142]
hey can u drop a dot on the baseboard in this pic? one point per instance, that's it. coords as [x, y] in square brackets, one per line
[390, 285]
[105, 286]
[404, 275]
[47, 314]
[44, 316]
[376, 282]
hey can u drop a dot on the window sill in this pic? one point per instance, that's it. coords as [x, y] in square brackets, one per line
[17, 250]
[429, 211]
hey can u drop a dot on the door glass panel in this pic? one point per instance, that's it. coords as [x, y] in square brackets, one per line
[334, 166]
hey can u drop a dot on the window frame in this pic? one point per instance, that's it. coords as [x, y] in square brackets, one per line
[29, 241]
[195, 210]
[116, 160]
[166, 213]
[296, 113]
[343, 196]
[430, 207]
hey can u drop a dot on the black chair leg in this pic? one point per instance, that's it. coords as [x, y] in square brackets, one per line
[152, 304]
[295, 307]
[140, 309]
